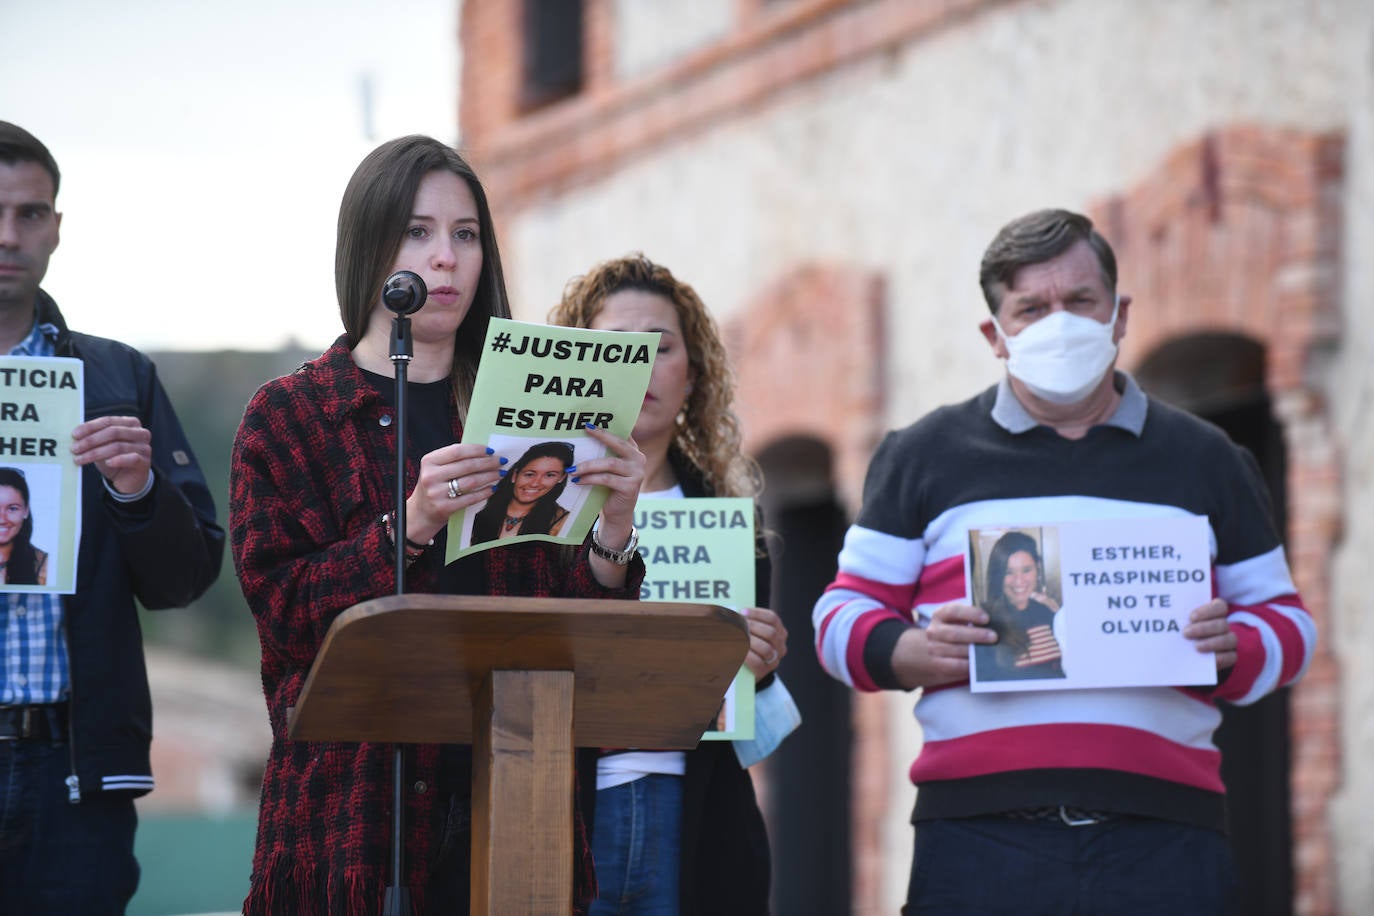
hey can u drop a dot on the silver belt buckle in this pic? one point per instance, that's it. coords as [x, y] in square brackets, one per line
[1077, 821]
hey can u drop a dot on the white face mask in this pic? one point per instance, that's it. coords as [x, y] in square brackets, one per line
[1063, 356]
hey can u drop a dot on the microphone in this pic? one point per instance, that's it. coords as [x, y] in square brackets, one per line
[404, 292]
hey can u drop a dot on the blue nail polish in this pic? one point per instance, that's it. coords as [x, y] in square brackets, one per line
[505, 460]
[572, 469]
[577, 480]
[490, 450]
[494, 486]
[503, 472]
[589, 425]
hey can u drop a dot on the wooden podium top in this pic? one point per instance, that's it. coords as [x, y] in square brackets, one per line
[405, 668]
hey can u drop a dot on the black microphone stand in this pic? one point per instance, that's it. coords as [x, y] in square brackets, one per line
[402, 301]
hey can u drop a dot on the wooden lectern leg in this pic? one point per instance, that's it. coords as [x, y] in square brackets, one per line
[522, 794]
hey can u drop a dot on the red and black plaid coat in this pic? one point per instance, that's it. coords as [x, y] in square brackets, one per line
[311, 475]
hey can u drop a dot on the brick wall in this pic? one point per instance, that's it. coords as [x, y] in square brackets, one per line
[491, 76]
[522, 155]
[1234, 230]
[809, 351]
[1239, 232]
[810, 357]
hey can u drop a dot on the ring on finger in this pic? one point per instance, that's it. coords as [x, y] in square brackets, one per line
[772, 658]
[454, 491]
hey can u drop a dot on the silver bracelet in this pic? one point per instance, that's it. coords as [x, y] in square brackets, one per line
[618, 557]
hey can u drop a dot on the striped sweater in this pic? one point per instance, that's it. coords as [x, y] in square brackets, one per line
[1141, 751]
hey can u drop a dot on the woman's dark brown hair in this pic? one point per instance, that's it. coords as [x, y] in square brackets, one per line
[373, 216]
[486, 526]
[1012, 638]
[22, 565]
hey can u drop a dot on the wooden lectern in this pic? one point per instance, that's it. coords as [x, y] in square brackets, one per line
[523, 680]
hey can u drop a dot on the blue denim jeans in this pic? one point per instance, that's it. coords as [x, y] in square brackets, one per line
[57, 858]
[635, 843]
[1121, 867]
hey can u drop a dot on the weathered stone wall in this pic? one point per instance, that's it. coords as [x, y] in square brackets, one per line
[859, 154]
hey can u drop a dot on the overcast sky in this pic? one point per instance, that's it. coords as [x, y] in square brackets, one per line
[204, 148]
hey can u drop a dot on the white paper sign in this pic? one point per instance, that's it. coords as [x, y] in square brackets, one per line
[1090, 603]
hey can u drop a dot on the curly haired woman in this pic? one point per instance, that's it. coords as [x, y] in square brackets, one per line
[706, 851]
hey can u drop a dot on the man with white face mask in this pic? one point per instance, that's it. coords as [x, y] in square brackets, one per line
[1088, 801]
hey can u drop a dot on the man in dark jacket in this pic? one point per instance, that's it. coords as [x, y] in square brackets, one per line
[75, 712]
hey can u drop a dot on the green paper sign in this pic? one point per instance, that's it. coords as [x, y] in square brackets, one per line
[702, 551]
[537, 388]
[41, 402]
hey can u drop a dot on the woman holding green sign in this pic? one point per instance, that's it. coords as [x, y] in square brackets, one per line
[313, 534]
[681, 832]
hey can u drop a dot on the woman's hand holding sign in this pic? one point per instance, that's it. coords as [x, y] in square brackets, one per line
[767, 641]
[451, 478]
[621, 472]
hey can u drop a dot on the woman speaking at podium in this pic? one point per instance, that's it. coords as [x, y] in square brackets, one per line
[311, 488]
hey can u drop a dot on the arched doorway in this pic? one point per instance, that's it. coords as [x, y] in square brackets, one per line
[809, 356]
[1221, 377]
[809, 775]
[1239, 232]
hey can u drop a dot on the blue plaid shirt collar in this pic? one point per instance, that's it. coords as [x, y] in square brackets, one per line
[42, 341]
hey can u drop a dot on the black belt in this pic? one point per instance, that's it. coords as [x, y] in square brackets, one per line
[42, 722]
[1068, 815]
